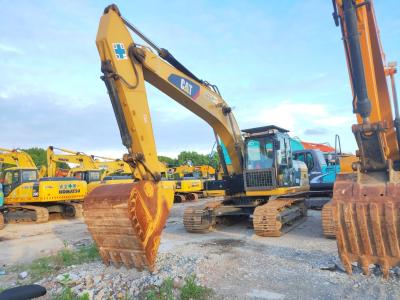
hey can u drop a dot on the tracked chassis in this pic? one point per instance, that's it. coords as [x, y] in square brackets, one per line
[40, 213]
[272, 218]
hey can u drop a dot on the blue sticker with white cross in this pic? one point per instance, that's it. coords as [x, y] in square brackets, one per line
[119, 50]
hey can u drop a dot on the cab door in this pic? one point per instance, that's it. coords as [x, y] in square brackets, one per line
[285, 168]
[11, 181]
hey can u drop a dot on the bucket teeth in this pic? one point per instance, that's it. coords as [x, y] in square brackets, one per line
[125, 221]
[368, 221]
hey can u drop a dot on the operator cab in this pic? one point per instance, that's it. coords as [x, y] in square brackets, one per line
[86, 175]
[11, 178]
[268, 159]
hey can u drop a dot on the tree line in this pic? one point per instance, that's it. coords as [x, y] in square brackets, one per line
[40, 158]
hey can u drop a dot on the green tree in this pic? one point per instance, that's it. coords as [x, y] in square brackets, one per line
[171, 162]
[198, 159]
[39, 157]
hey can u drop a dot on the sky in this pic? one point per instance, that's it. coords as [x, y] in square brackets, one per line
[275, 62]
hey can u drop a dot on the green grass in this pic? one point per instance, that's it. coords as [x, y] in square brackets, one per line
[67, 294]
[45, 266]
[190, 290]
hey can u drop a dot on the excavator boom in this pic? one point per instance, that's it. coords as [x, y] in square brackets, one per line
[142, 207]
[16, 157]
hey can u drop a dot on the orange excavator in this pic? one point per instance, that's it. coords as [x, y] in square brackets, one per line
[366, 202]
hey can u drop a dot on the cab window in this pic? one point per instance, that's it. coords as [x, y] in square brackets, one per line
[8, 177]
[79, 175]
[94, 176]
[29, 175]
[309, 161]
[300, 156]
[259, 154]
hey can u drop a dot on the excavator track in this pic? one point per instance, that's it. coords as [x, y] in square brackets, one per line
[2, 222]
[368, 218]
[78, 207]
[329, 227]
[273, 218]
[200, 219]
[126, 221]
[41, 214]
[179, 198]
[76, 210]
[192, 197]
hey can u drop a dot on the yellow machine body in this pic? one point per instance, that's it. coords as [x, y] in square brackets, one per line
[126, 220]
[41, 191]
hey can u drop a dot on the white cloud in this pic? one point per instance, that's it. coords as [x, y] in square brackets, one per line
[296, 117]
[10, 49]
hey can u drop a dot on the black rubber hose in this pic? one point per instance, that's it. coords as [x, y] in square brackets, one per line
[23, 292]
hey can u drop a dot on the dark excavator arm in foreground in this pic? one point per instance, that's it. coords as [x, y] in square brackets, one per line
[366, 204]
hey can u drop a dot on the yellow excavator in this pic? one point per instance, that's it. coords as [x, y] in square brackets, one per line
[86, 168]
[190, 181]
[188, 170]
[366, 203]
[111, 166]
[30, 198]
[126, 220]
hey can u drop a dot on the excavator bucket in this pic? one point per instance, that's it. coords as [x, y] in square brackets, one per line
[367, 216]
[126, 221]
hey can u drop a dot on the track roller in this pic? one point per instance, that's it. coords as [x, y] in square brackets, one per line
[192, 197]
[179, 198]
[329, 227]
[278, 216]
[26, 213]
[198, 219]
[2, 222]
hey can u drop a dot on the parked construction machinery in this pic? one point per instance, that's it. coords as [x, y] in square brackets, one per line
[189, 170]
[126, 220]
[366, 203]
[84, 169]
[190, 181]
[111, 166]
[30, 198]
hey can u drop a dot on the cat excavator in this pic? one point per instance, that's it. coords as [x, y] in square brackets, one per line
[365, 209]
[126, 220]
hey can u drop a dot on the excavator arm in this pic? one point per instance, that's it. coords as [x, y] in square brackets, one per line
[142, 207]
[366, 204]
[126, 66]
[16, 157]
[84, 161]
[111, 166]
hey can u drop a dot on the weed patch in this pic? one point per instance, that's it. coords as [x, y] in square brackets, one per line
[190, 290]
[45, 266]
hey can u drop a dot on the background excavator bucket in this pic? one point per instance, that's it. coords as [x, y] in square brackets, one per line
[126, 221]
[367, 215]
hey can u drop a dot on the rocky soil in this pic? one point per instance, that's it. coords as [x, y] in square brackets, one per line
[232, 261]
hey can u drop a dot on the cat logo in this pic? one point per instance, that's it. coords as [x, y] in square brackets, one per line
[187, 86]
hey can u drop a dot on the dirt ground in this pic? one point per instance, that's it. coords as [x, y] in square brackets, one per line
[231, 260]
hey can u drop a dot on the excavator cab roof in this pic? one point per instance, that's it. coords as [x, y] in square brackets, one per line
[19, 168]
[264, 130]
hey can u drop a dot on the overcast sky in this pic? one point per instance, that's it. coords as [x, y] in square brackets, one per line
[276, 62]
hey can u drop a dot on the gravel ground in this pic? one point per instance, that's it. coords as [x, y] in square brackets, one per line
[232, 261]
